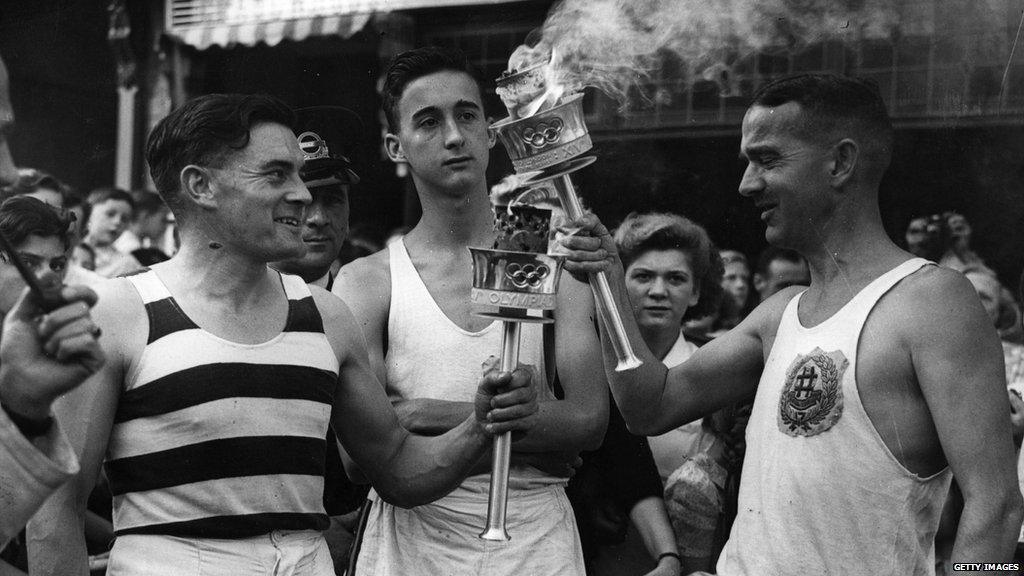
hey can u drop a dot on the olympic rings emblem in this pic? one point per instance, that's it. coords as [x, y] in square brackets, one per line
[543, 133]
[523, 275]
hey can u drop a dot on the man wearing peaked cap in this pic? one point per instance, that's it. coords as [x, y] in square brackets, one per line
[327, 136]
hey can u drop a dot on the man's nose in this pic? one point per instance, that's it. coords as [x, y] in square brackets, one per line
[453, 136]
[299, 193]
[316, 216]
[751, 183]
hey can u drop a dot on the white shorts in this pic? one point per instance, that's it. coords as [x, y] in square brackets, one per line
[441, 538]
[280, 553]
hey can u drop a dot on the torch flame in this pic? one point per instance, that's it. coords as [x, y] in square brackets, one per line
[554, 88]
[629, 49]
[533, 81]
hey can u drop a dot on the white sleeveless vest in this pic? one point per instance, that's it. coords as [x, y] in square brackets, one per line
[821, 493]
[429, 356]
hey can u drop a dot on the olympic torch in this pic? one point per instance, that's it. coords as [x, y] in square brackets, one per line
[546, 137]
[511, 279]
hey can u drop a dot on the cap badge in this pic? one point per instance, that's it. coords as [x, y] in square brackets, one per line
[313, 146]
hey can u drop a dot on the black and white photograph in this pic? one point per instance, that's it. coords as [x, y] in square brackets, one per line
[511, 287]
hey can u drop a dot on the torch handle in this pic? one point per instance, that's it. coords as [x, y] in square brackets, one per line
[497, 499]
[626, 359]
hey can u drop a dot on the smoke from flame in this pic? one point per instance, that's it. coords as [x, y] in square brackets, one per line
[614, 45]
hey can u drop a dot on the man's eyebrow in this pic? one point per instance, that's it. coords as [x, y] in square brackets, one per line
[278, 163]
[757, 150]
[424, 112]
[467, 104]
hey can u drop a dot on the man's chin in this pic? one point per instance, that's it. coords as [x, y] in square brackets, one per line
[773, 235]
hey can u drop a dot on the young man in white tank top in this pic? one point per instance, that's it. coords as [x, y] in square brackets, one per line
[412, 300]
[228, 165]
[872, 386]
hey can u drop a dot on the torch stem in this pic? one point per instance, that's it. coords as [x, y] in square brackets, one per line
[626, 359]
[497, 500]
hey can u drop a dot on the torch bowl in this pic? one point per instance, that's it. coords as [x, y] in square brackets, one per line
[547, 138]
[517, 280]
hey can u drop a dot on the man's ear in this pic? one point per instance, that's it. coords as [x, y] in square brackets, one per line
[492, 134]
[197, 185]
[394, 148]
[845, 155]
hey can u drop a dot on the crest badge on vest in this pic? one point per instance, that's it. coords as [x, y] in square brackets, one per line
[812, 398]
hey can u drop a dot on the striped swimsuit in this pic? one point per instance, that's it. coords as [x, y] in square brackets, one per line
[216, 439]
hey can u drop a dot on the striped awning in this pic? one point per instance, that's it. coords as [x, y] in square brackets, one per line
[270, 33]
[205, 23]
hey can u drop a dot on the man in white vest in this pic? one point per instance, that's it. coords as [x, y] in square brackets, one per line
[413, 301]
[873, 387]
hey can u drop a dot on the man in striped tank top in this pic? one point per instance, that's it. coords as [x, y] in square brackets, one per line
[427, 347]
[223, 375]
[872, 387]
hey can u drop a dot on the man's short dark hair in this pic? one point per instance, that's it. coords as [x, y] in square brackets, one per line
[203, 132]
[23, 216]
[417, 63]
[773, 253]
[835, 101]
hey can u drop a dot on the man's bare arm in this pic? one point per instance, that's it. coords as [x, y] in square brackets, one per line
[370, 309]
[56, 534]
[365, 287]
[958, 362]
[407, 469]
[577, 422]
[653, 399]
[568, 425]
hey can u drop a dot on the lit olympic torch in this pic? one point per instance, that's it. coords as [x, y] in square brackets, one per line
[545, 135]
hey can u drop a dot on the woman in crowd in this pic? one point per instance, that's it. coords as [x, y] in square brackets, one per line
[673, 273]
[110, 212]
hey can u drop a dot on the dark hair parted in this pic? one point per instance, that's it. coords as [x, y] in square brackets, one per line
[414, 64]
[23, 216]
[642, 233]
[203, 132]
[834, 103]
